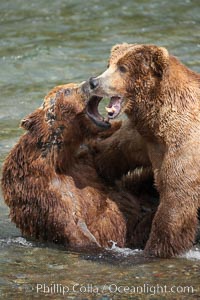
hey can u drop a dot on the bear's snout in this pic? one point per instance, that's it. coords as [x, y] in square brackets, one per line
[93, 82]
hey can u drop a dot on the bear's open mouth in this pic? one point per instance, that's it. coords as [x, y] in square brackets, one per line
[113, 109]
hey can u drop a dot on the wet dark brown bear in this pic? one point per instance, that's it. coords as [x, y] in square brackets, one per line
[52, 188]
[161, 98]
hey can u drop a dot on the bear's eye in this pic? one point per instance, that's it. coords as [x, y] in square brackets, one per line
[122, 69]
[67, 92]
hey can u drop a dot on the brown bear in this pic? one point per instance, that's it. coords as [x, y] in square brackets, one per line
[52, 188]
[124, 151]
[161, 98]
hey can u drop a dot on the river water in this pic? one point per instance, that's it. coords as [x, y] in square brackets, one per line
[45, 43]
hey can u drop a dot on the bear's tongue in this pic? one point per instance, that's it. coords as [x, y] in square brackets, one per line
[114, 107]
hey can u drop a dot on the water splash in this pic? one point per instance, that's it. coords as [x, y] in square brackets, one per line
[193, 254]
[16, 241]
[123, 251]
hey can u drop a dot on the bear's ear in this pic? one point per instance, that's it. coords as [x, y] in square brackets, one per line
[120, 47]
[160, 60]
[30, 121]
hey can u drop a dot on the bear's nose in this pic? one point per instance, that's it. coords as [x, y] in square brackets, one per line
[93, 82]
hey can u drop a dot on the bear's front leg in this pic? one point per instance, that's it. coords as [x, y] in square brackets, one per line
[173, 231]
[175, 223]
[124, 151]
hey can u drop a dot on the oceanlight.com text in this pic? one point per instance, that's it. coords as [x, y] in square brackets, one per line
[112, 288]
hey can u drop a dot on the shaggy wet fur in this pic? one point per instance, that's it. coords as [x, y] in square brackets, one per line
[53, 190]
[120, 153]
[162, 101]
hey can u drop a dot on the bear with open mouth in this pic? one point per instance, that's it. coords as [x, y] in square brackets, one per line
[161, 97]
[53, 189]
